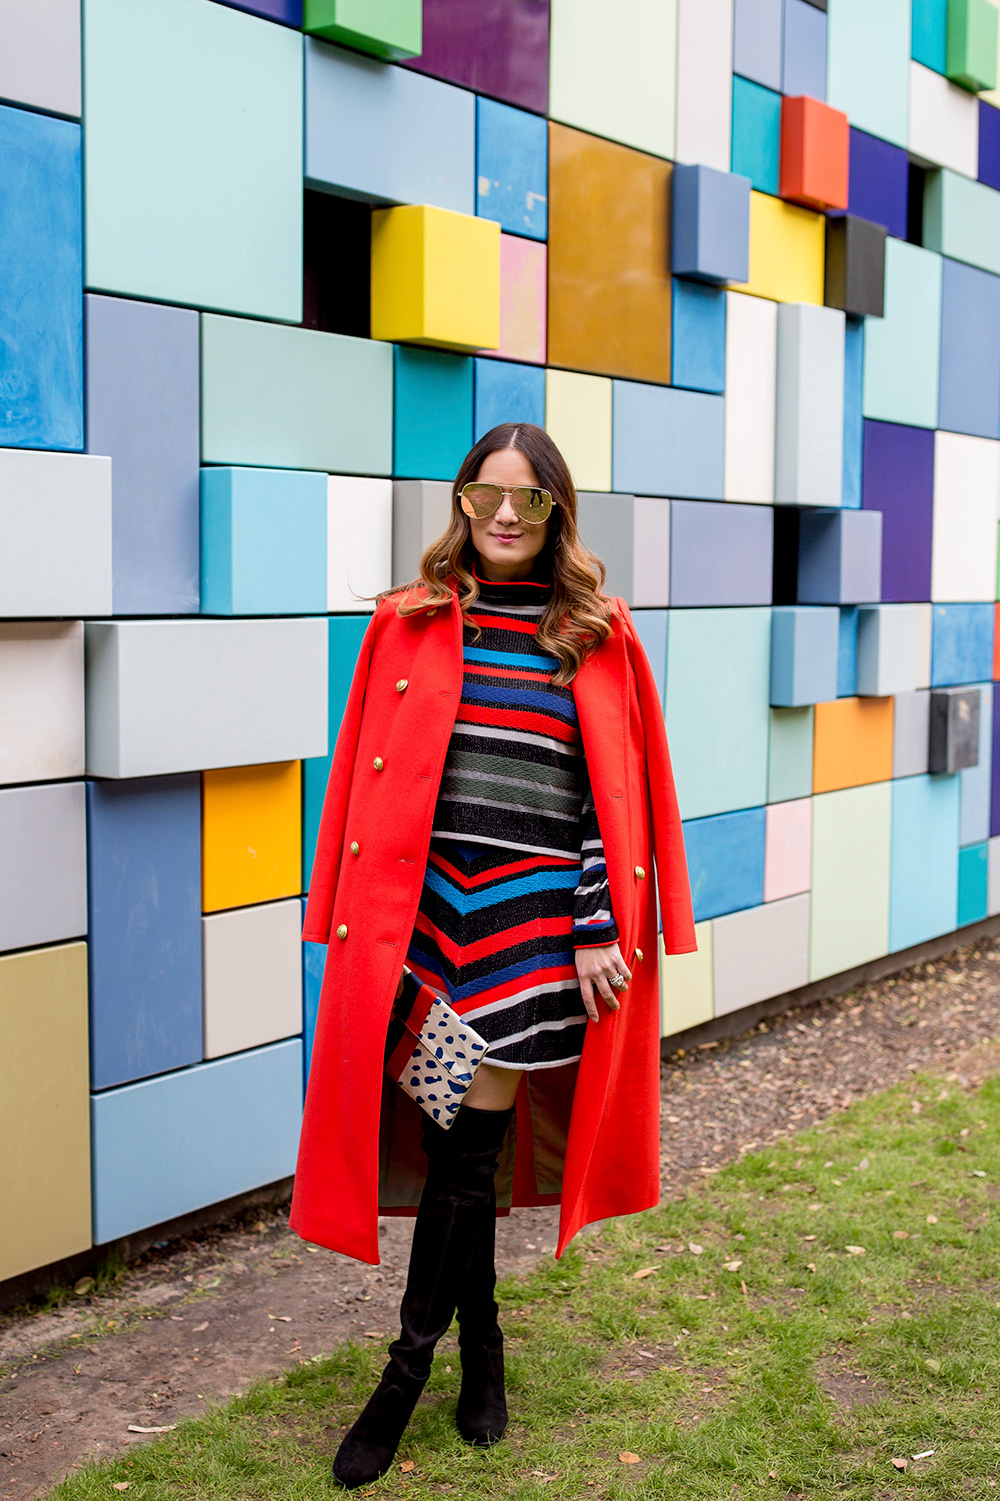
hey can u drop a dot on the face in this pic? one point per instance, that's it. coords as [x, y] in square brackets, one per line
[507, 546]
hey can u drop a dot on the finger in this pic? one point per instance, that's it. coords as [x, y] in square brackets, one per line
[606, 989]
[586, 990]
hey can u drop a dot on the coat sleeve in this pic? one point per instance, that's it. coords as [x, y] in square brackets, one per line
[330, 842]
[673, 886]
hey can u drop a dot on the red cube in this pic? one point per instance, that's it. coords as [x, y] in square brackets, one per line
[815, 149]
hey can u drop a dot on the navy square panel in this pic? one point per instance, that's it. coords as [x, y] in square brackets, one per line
[969, 400]
[898, 480]
[878, 182]
[144, 946]
[289, 12]
[989, 144]
[720, 554]
[710, 224]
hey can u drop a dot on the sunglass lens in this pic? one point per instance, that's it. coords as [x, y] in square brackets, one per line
[532, 505]
[484, 499]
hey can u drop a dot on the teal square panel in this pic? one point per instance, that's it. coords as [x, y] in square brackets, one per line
[263, 542]
[432, 421]
[756, 149]
[718, 719]
[903, 350]
[923, 894]
[193, 156]
[346, 635]
[973, 872]
[929, 33]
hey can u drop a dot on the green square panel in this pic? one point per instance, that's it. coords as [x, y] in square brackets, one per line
[385, 28]
[193, 156]
[972, 44]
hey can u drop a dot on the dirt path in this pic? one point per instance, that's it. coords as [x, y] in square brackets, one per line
[202, 1318]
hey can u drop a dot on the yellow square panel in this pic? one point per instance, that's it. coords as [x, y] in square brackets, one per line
[787, 251]
[435, 278]
[687, 987]
[251, 834]
[44, 1107]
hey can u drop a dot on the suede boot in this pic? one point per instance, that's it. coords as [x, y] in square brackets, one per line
[481, 1415]
[454, 1206]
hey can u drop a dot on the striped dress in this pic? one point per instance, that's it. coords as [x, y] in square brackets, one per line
[516, 878]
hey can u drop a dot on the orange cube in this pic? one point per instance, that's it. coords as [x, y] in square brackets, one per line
[852, 743]
[815, 150]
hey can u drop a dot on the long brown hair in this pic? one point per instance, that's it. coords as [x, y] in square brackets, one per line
[578, 616]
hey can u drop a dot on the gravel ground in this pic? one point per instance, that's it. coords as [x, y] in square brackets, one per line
[200, 1319]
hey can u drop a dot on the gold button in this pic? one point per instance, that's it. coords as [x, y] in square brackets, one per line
[355, 847]
[342, 930]
[638, 955]
[640, 873]
[378, 763]
[401, 685]
[432, 612]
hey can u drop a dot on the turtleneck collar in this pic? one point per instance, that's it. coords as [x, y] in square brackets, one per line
[539, 579]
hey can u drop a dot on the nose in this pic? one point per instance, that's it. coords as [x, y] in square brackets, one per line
[505, 513]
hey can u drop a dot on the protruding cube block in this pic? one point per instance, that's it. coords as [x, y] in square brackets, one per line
[887, 650]
[855, 266]
[263, 542]
[388, 28]
[787, 249]
[710, 227]
[250, 845]
[972, 44]
[435, 277]
[954, 742]
[804, 643]
[751, 384]
[809, 424]
[512, 168]
[840, 557]
[815, 150]
[632, 537]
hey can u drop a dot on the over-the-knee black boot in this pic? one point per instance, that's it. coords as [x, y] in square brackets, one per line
[481, 1415]
[457, 1197]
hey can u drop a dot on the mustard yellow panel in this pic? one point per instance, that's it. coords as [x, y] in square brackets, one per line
[787, 251]
[435, 278]
[44, 1107]
[251, 838]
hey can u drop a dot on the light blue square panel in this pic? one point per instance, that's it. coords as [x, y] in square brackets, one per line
[41, 282]
[698, 337]
[313, 967]
[757, 40]
[185, 1140]
[923, 892]
[710, 224]
[651, 626]
[263, 542]
[903, 348]
[718, 719]
[432, 412]
[973, 882]
[346, 633]
[756, 147]
[847, 652]
[725, 858]
[193, 156]
[667, 442]
[803, 63]
[804, 651]
[512, 168]
[961, 644]
[970, 338]
[506, 392]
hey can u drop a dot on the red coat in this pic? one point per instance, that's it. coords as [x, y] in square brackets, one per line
[586, 1136]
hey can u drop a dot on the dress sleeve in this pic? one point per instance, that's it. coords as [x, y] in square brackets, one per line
[593, 920]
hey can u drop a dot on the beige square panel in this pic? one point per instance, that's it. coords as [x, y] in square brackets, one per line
[252, 958]
[44, 1107]
[686, 985]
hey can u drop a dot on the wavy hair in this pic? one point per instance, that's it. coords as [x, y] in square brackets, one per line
[578, 617]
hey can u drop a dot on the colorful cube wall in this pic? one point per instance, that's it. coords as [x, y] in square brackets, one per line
[740, 260]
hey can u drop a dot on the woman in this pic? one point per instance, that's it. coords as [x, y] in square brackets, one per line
[502, 718]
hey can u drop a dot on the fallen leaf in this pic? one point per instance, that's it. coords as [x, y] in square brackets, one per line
[933, 1366]
[408, 1465]
[199, 1327]
[810, 1266]
[808, 1237]
[646, 1271]
[901, 1464]
[932, 1219]
[732, 1266]
[280, 1318]
[137, 1428]
[121, 1485]
[855, 1250]
[863, 1165]
[694, 1248]
[84, 1286]
[977, 1172]
[901, 1235]
[772, 1474]
[916, 1107]
[373, 1334]
[745, 1291]
[628, 1458]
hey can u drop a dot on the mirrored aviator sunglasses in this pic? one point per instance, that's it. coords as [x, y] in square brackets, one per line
[530, 504]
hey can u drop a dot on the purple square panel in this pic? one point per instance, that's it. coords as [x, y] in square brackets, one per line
[287, 11]
[879, 182]
[898, 480]
[497, 47]
[989, 144]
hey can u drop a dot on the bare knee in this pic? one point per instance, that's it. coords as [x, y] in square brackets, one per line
[493, 1088]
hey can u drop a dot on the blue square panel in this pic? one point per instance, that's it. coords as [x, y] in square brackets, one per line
[923, 892]
[969, 394]
[725, 858]
[432, 413]
[854, 361]
[144, 948]
[973, 874]
[710, 224]
[847, 652]
[756, 148]
[41, 282]
[512, 168]
[667, 442]
[507, 393]
[720, 554]
[263, 542]
[962, 645]
[803, 64]
[804, 650]
[698, 337]
[346, 633]
[757, 41]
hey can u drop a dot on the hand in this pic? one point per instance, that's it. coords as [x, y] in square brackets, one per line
[595, 968]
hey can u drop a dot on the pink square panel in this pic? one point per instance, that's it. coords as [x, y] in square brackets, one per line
[788, 849]
[522, 301]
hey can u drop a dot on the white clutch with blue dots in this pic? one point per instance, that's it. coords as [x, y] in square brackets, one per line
[431, 1052]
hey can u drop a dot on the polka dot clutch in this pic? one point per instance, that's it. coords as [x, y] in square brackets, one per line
[436, 1055]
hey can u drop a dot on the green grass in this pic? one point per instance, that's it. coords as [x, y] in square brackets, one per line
[736, 1399]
